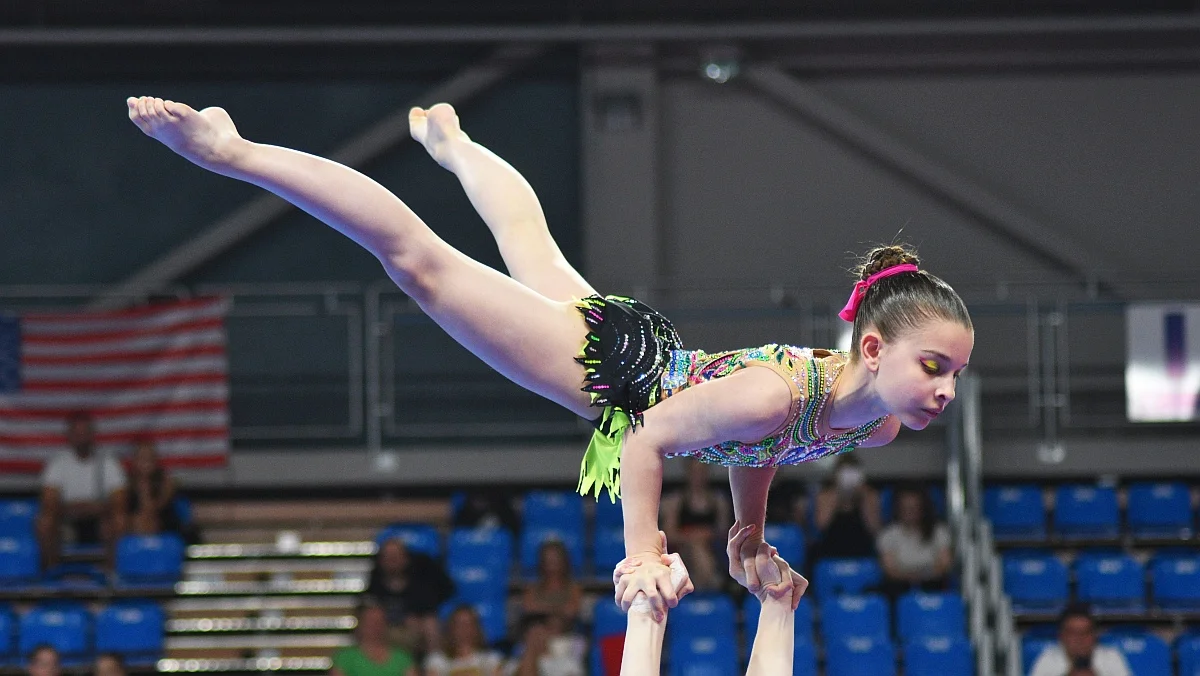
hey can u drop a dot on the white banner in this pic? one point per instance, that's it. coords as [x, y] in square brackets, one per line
[1162, 370]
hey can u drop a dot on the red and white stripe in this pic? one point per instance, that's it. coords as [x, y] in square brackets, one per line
[157, 372]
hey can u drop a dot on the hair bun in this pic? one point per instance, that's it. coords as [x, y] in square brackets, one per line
[883, 257]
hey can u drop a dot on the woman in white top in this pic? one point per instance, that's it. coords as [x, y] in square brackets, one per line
[465, 653]
[915, 549]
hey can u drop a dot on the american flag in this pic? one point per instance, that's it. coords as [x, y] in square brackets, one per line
[157, 372]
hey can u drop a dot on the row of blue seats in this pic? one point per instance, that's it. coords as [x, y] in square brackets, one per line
[1145, 652]
[140, 560]
[1153, 510]
[1109, 582]
[17, 515]
[133, 629]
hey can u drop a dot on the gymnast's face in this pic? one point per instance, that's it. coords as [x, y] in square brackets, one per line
[915, 374]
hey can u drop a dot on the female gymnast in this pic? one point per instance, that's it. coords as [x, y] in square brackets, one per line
[611, 359]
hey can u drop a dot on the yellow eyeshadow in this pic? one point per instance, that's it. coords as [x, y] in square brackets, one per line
[929, 364]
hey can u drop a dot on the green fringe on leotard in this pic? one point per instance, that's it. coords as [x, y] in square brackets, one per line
[601, 466]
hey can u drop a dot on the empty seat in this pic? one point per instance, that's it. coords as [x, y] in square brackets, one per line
[607, 619]
[132, 629]
[1160, 510]
[474, 582]
[860, 656]
[608, 515]
[66, 626]
[150, 559]
[705, 614]
[421, 538]
[704, 655]
[1016, 512]
[492, 547]
[939, 656]
[608, 548]
[751, 608]
[1084, 511]
[1036, 582]
[919, 615]
[1176, 582]
[559, 510]
[17, 516]
[8, 638]
[19, 560]
[848, 615]
[1114, 582]
[804, 657]
[1145, 653]
[846, 576]
[531, 544]
[1187, 648]
[789, 540]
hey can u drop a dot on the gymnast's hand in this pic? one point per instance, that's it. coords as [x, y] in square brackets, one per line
[743, 551]
[775, 577]
[641, 585]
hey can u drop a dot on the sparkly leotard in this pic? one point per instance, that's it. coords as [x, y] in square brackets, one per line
[810, 375]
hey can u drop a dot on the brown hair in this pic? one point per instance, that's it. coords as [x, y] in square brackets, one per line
[451, 646]
[902, 302]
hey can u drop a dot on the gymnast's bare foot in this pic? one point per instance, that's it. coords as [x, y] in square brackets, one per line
[438, 130]
[207, 137]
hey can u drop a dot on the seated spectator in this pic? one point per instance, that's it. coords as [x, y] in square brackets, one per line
[1076, 653]
[464, 651]
[914, 551]
[82, 492]
[848, 515]
[695, 518]
[547, 650]
[372, 654]
[486, 508]
[108, 664]
[410, 587]
[43, 661]
[151, 493]
[554, 592]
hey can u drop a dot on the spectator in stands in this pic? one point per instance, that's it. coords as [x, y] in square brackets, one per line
[151, 493]
[43, 661]
[83, 492]
[1076, 653]
[555, 591]
[464, 652]
[372, 654]
[410, 587]
[108, 664]
[848, 517]
[694, 518]
[486, 508]
[914, 551]
[546, 650]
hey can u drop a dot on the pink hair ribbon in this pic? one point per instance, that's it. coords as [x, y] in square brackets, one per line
[849, 312]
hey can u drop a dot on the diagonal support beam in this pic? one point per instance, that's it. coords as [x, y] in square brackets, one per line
[990, 208]
[373, 142]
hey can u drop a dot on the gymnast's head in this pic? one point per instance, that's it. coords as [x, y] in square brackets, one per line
[912, 333]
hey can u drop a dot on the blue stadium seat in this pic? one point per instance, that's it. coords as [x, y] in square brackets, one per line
[919, 615]
[848, 615]
[789, 540]
[1031, 649]
[1016, 512]
[608, 548]
[1160, 510]
[75, 577]
[1111, 582]
[183, 509]
[474, 583]
[608, 514]
[492, 547]
[559, 510]
[1176, 582]
[66, 626]
[939, 656]
[8, 638]
[1145, 653]
[1187, 648]
[421, 538]
[531, 543]
[846, 576]
[132, 629]
[19, 560]
[1036, 582]
[937, 495]
[751, 608]
[887, 503]
[17, 517]
[704, 614]
[804, 658]
[149, 559]
[607, 619]
[1084, 511]
[860, 656]
[704, 655]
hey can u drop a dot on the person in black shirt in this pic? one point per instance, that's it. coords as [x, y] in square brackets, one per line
[409, 587]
